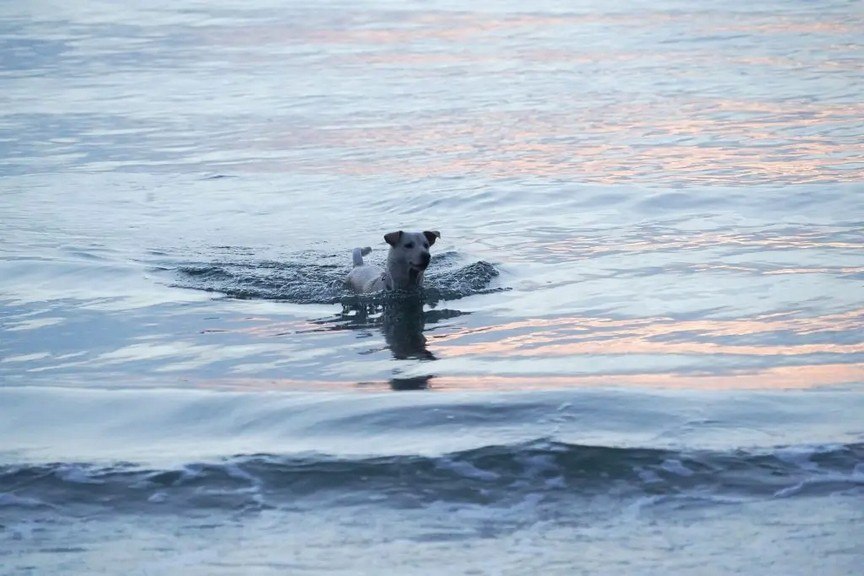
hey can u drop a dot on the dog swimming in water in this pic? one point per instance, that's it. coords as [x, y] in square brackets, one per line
[407, 260]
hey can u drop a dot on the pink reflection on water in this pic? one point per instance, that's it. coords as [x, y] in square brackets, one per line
[641, 142]
[591, 132]
[779, 378]
[790, 377]
[583, 336]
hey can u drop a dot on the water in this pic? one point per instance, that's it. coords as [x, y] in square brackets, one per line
[640, 345]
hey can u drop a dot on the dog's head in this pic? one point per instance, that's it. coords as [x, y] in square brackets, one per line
[411, 249]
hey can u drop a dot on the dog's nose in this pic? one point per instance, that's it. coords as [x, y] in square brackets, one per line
[425, 258]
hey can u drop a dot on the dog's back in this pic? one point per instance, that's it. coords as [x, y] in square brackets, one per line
[364, 277]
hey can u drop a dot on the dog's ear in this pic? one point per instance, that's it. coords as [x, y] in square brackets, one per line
[393, 238]
[431, 236]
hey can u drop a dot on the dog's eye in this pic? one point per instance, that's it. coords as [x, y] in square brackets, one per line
[409, 245]
[426, 245]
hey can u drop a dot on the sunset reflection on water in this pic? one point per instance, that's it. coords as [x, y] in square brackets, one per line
[667, 196]
[579, 109]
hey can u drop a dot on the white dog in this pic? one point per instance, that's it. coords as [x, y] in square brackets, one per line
[407, 260]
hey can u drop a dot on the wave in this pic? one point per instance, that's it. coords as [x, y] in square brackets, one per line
[488, 475]
[318, 279]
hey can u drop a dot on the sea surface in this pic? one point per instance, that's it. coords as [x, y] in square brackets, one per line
[640, 348]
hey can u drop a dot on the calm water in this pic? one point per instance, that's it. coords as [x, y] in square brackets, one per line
[640, 350]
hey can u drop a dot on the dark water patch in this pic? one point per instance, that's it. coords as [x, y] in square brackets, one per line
[488, 475]
[319, 279]
[22, 55]
[411, 383]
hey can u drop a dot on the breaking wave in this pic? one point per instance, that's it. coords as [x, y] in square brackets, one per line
[492, 475]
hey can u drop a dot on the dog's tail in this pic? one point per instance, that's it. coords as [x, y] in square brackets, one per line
[359, 253]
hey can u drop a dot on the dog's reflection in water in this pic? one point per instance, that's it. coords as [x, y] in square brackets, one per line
[411, 383]
[403, 323]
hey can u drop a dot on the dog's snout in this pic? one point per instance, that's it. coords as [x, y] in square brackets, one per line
[425, 258]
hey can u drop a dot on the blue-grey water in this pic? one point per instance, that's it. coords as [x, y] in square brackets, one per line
[640, 349]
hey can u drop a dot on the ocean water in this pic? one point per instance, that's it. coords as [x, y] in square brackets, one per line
[640, 348]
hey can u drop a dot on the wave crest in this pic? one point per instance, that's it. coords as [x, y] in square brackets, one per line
[491, 474]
